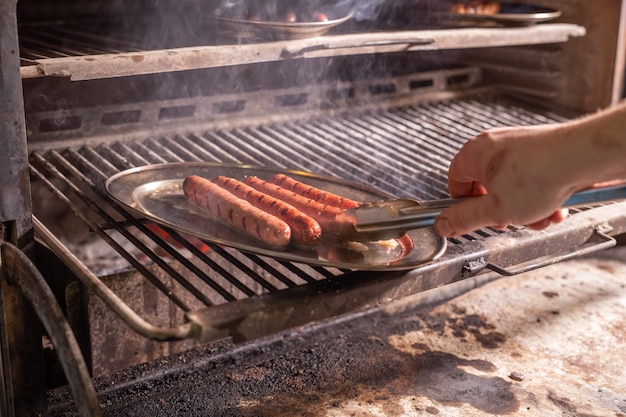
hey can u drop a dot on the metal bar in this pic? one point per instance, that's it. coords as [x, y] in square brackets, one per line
[188, 58]
[210, 141]
[148, 153]
[16, 205]
[176, 255]
[22, 382]
[94, 284]
[175, 147]
[131, 259]
[269, 144]
[200, 152]
[163, 151]
[410, 165]
[117, 161]
[270, 313]
[16, 265]
[153, 256]
[275, 273]
[227, 256]
[133, 157]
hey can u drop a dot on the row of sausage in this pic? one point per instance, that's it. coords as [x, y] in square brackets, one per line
[278, 212]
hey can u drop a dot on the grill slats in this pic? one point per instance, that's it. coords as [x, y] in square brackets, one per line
[404, 152]
[113, 243]
[97, 160]
[140, 245]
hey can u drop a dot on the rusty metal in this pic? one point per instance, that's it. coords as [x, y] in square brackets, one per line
[23, 384]
[22, 271]
[14, 156]
[421, 355]
[112, 300]
[222, 292]
[47, 130]
[266, 314]
[408, 150]
[106, 65]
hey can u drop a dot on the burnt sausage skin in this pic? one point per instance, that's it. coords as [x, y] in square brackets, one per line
[305, 230]
[236, 212]
[324, 214]
[313, 193]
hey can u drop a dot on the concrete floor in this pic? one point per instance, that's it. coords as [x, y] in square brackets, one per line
[546, 343]
[550, 342]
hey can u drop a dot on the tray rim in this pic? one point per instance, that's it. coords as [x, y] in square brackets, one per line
[439, 245]
[546, 14]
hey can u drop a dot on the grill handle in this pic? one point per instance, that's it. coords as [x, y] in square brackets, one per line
[601, 233]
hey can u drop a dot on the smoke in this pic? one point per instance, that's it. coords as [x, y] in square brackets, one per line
[164, 24]
[367, 10]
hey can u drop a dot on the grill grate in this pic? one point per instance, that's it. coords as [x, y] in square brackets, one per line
[404, 152]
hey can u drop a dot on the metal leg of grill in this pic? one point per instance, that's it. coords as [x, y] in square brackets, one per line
[21, 271]
[23, 382]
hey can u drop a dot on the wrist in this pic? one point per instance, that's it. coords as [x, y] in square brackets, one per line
[594, 149]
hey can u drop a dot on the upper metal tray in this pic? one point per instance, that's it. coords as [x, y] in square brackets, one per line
[275, 30]
[155, 192]
[510, 14]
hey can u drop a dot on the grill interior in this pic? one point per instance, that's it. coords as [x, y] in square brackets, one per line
[384, 100]
[398, 150]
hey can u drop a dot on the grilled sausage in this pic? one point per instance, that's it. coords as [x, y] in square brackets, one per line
[305, 230]
[480, 7]
[316, 194]
[236, 212]
[324, 214]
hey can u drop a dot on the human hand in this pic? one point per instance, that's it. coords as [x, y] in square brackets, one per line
[518, 174]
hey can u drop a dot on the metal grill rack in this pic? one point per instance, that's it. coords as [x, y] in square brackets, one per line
[399, 151]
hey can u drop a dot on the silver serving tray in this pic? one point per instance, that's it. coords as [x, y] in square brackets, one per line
[275, 30]
[510, 14]
[155, 192]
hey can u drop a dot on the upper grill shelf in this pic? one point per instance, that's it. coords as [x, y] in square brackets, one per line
[82, 53]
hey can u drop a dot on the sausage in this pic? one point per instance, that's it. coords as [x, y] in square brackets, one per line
[316, 194]
[324, 214]
[305, 230]
[481, 7]
[236, 212]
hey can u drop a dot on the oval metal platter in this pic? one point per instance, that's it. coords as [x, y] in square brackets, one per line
[510, 14]
[155, 192]
[275, 30]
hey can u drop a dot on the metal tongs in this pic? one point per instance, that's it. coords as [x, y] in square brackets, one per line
[390, 219]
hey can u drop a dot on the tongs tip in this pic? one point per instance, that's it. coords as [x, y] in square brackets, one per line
[370, 221]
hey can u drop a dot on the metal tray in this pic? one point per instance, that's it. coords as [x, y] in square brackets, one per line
[510, 14]
[155, 193]
[275, 30]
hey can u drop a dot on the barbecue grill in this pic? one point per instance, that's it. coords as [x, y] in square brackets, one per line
[378, 99]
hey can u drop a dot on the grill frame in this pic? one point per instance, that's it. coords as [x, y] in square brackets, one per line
[17, 219]
[292, 294]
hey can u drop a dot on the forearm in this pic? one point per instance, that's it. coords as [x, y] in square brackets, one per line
[595, 147]
[528, 172]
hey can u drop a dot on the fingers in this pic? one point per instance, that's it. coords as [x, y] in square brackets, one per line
[464, 175]
[556, 217]
[474, 214]
[540, 225]
[559, 215]
[498, 160]
[466, 217]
